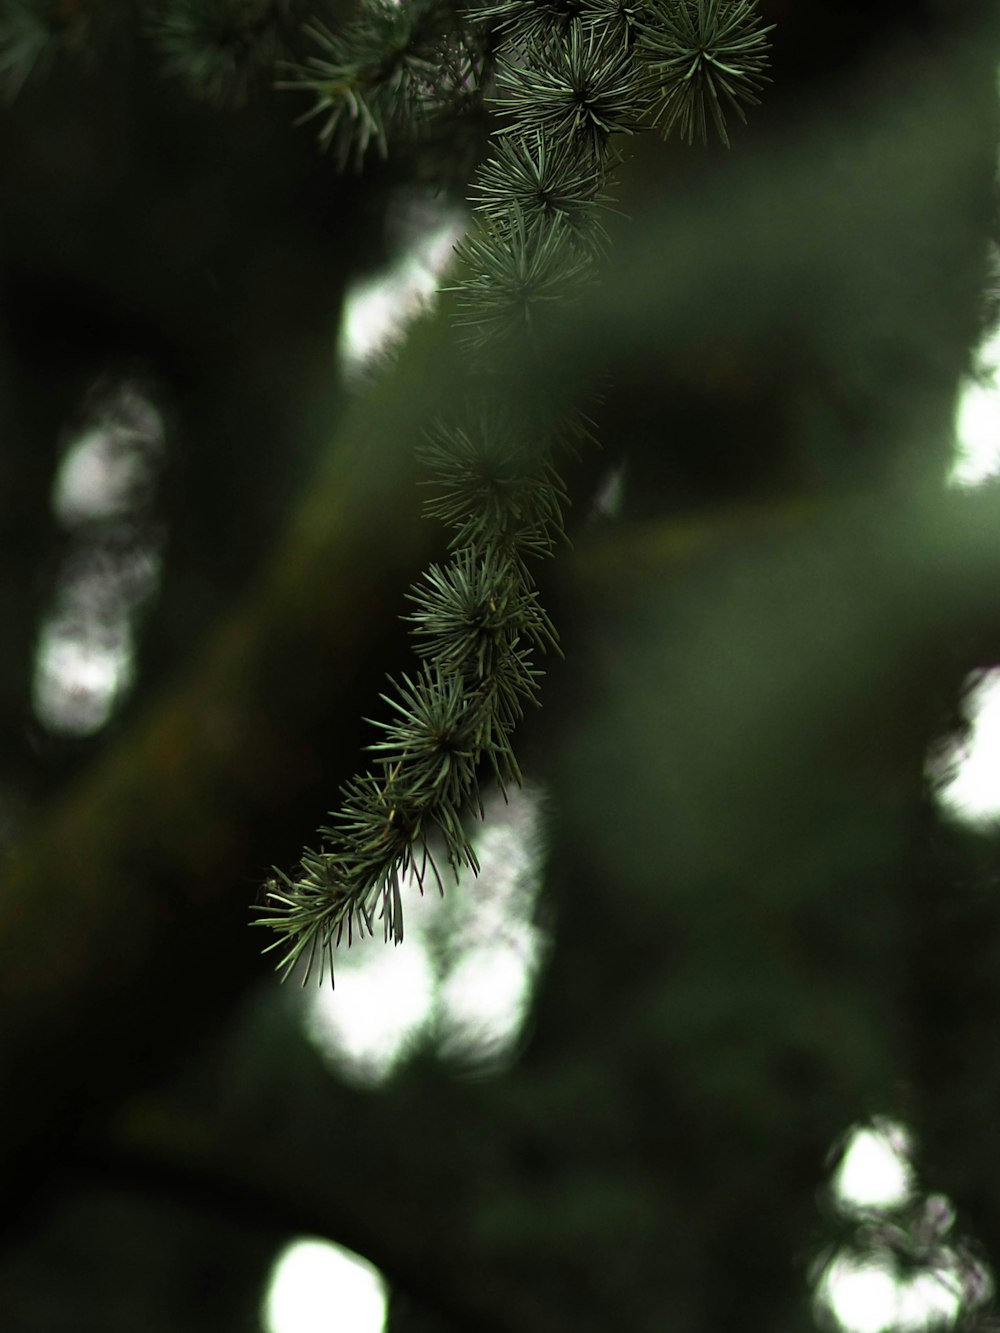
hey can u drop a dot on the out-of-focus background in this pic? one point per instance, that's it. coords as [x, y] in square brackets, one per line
[713, 1041]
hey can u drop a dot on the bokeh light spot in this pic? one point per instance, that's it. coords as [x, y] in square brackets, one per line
[317, 1287]
[977, 421]
[966, 771]
[378, 310]
[875, 1170]
[462, 980]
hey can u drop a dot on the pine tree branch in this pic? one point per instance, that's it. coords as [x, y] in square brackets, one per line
[705, 57]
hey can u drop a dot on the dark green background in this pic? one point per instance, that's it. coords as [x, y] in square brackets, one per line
[761, 930]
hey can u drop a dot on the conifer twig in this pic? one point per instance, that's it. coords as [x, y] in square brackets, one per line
[570, 75]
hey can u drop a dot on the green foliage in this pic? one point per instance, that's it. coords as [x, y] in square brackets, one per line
[569, 74]
[619, 18]
[434, 736]
[538, 179]
[473, 613]
[513, 275]
[33, 31]
[395, 70]
[528, 23]
[581, 86]
[707, 56]
[495, 483]
[223, 49]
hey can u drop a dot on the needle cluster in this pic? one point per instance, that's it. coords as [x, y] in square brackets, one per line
[393, 72]
[707, 57]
